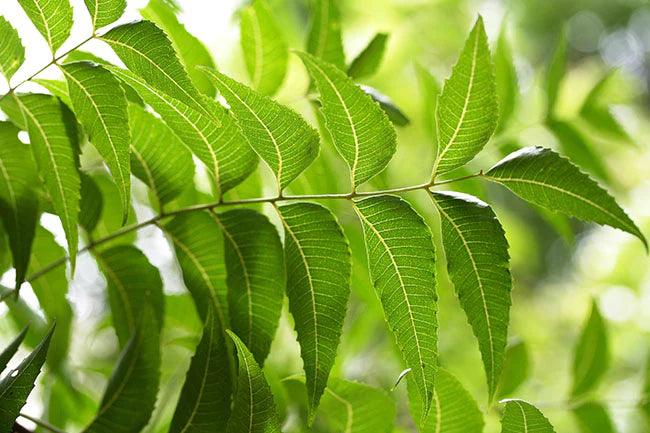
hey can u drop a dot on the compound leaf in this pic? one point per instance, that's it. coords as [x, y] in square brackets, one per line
[324, 40]
[522, 417]
[591, 358]
[12, 52]
[53, 19]
[105, 12]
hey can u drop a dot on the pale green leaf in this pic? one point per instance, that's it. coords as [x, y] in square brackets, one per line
[9, 351]
[100, 105]
[133, 284]
[167, 169]
[19, 382]
[522, 417]
[478, 263]
[105, 12]
[254, 410]
[12, 52]
[255, 277]
[18, 197]
[598, 114]
[318, 266]
[591, 358]
[57, 88]
[505, 74]
[361, 131]
[278, 134]
[401, 258]
[131, 391]
[191, 50]
[467, 108]
[555, 75]
[368, 60]
[204, 403]
[223, 149]
[324, 40]
[430, 90]
[592, 417]
[53, 19]
[515, 368]
[645, 392]
[265, 49]
[544, 178]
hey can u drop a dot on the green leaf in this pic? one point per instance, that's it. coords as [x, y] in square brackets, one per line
[515, 368]
[544, 178]
[368, 60]
[522, 417]
[110, 218]
[598, 114]
[9, 351]
[55, 156]
[223, 149]
[100, 105]
[505, 75]
[191, 50]
[57, 88]
[91, 204]
[555, 75]
[265, 49]
[318, 263]
[204, 403]
[352, 407]
[256, 277]
[361, 131]
[12, 52]
[453, 409]
[148, 53]
[430, 90]
[18, 197]
[254, 410]
[131, 391]
[394, 113]
[324, 40]
[199, 247]
[19, 382]
[645, 392]
[167, 169]
[53, 19]
[592, 417]
[105, 12]
[278, 134]
[478, 263]
[401, 258]
[134, 284]
[591, 358]
[467, 111]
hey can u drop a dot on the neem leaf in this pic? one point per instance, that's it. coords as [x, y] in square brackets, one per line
[368, 60]
[53, 19]
[591, 358]
[522, 417]
[12, 52]
[9, 351]
[105, 12]
[515, 368]
[324, 40]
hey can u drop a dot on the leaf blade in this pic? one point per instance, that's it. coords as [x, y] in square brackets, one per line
[369, 59]
[105, 12]
[53, 20]
[324, 40]
[12, 52]
[591, 358]
[522, 417]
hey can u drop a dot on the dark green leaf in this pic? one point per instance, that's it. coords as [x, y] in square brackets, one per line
[393, 112]
[368, 60]
[591, 358]
[515, 368]
[91, 204]
[9, 351]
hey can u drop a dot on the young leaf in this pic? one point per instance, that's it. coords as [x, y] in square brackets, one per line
[544, 178]
[555, 75]
[12, 52]
[592, 417]
[56, 157]
[505, 75]
[318, 266]
[18, 384]
[522, 417]
[368, 60]
[191, 50]
[134, 284]
[105, 12]
[18, 197]
[131, 391]
[53, 19]
[467, 109]
[204, 403]
[256, 277]
[515, 368]
[167, 169]
[100, 105]
[278, 134]
[361, 131]
[199, 247]
[478, 264]
[253, 409]
[324, 40]
[9, 351]
[223, 149]
[353, 407]
[453, 409]
[591, 358]
[401, 258]
[265, 49]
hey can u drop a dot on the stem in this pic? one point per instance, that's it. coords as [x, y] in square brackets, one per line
[41, 423]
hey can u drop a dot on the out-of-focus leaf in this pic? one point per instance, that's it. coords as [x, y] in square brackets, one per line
[515, 368]
[598, 114]
[368, 60]
[393, 112]
[592, 417]
[324, 40]
[12, 52]
[430, 89]
[506, 78]
[53, 19]
[522, 417]
[591, 358]
[555, 75]
[9, 351]
[105, 12]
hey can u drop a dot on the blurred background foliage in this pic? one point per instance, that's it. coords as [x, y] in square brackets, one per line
[600, 119]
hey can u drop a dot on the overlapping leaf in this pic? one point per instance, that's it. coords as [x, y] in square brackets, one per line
[515, 368]
[544, 178]
[368, 60]
[592, 417]
[53, 19]
[522, 417]
[467, 109]
[256, 277]
[265, 49]
[91, 204]
[478, 262]
[402, 265]
[361, 131]
[591, 357]
[104, 12]
[100, 105]
[324, 40]
[278, 134]
[9, 351]
[12, 52]
[318, 286]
